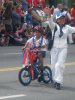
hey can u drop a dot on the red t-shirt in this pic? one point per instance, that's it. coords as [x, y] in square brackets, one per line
[29, 2]
[35, 2]
[42, 3]
[73, 13]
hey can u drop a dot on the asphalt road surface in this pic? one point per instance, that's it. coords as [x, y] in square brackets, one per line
[11, 89]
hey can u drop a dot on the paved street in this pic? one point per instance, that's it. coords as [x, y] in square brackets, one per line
[11, 89]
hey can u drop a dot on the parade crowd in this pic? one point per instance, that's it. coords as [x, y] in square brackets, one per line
[18, 18]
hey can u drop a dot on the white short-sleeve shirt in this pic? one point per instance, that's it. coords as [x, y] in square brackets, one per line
[37, 42]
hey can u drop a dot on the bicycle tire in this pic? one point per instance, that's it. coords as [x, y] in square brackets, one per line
[25, 76]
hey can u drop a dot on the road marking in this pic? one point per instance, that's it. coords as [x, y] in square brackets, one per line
[12, 96]
[10, 69]
[18, 68]
[70, 63]
[11, 53]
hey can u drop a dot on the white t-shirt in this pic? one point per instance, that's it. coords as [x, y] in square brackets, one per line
[37, 42]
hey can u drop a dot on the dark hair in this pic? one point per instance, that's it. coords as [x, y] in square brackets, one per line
[38, 29]
[8, 11]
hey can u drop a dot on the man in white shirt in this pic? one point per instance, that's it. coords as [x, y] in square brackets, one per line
[59, 50]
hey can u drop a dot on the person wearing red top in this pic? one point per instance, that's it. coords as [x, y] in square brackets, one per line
[73, 14]
[35, 2]
[32, 2]
[42, 3]
[19, 10]
[29, 2]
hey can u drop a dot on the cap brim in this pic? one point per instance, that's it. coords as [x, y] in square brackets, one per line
[60, 15]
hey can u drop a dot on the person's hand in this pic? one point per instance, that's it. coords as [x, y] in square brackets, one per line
[23, 48]
[47, 11]
[73, 37]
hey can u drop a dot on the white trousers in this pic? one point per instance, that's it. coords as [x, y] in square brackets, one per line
[58, 58]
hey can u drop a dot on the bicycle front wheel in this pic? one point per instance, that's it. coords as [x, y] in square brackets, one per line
[25, 76]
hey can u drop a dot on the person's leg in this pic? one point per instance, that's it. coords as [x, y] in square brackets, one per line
[59, 66]
[54, 56]
[43, 55]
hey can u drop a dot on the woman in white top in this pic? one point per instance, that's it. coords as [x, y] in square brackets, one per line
[59, 50]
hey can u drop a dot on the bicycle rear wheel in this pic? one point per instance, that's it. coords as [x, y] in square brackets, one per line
[47, 74]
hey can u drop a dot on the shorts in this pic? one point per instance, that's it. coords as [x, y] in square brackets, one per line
[43, 53]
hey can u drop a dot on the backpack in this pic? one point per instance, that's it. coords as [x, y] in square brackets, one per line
[49, 37]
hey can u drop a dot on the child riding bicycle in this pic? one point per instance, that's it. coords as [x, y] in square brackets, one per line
[36, 42]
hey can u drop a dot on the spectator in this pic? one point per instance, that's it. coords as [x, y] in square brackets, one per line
[32, 3]
[5, 3]
[16, 18]
[38, 15]
[24, 5]
[73, 15]
[2, 38]
[29, 2]
[68, 15]
[29, 16]
[18, 38]
[8, 17]
[20, 12]
[35, 18]
[42, 3]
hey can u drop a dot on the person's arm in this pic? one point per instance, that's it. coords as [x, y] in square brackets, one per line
[51, 22]
[28, 44]
[44, 43]
[71, 29]
[35, 16]
[16, 15]
[25, 46]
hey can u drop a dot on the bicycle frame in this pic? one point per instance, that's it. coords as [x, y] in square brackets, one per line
[33, 55]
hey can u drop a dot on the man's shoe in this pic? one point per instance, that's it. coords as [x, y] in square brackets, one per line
[58, 86]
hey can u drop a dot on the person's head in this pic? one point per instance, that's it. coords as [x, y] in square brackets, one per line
[60, 19]
[60, 6]
[38, 30]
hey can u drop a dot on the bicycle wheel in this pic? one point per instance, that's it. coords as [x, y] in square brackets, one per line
[46, 74]
[25, 77]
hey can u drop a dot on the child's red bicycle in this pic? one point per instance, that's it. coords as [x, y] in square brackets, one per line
[35, 70]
